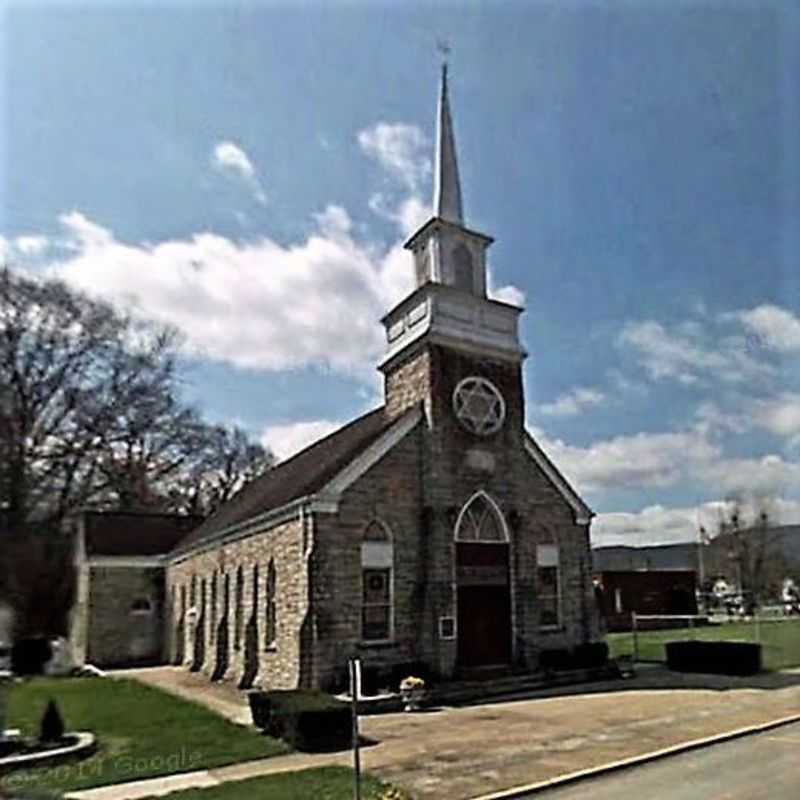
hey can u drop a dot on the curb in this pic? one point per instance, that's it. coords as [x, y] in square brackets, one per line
[633, 761]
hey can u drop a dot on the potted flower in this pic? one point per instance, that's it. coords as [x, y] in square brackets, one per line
[412, 690]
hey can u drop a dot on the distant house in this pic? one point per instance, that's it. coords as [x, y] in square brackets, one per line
[621, 593]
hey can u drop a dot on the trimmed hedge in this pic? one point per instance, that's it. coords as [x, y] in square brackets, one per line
[306, 720]
[29, 655]
[585, 656]
[719, 658]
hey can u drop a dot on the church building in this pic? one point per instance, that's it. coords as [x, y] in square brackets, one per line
[432, 530]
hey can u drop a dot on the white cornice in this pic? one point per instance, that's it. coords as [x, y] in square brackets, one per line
[583, 514]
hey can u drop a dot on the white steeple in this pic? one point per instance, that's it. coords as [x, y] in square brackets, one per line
[449, 306]
[447, 188]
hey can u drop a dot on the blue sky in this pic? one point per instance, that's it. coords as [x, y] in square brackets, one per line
[247, 171]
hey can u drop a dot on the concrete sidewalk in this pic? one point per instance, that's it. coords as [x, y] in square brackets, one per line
[471, 751]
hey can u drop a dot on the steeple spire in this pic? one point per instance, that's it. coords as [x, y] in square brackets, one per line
[447, 188]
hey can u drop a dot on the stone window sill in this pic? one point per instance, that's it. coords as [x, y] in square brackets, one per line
[551, 629]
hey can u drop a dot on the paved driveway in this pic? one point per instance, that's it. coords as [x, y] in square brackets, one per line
[465, 752]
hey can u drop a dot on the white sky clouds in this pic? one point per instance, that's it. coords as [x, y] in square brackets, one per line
[572, 403]
[31, 245]
[253, 304]
[774, 327]
[290, 438]
[229, 158]
[689, 353]
[402, 150]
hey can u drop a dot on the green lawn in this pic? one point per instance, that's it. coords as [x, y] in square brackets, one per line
[142, 732]
[780, 639]
[324, 783]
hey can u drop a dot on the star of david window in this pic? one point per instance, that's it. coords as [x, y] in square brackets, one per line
[479, 406]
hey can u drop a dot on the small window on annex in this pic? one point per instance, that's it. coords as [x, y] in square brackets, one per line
[142, 605]
[549, 585]
[377, 564]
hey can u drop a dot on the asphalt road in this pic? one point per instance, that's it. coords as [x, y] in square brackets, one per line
[761, 767]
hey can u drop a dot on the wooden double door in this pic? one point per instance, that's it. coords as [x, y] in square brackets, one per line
[484, 605]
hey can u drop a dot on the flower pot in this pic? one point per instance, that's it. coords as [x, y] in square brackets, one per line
[412, 698]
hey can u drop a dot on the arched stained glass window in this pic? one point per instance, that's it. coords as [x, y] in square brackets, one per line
[480, 521]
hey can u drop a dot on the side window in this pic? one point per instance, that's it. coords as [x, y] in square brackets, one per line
[549, 585]
[142, 606]
[238, 618]
[271, 615]
[377, 566]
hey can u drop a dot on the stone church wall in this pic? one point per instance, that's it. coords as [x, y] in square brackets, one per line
[204, 637]
[390, 492]
[118, 632]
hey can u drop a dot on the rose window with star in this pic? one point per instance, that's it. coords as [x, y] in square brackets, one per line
[479, 406]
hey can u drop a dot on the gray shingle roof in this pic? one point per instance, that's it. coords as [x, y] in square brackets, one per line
[301, 475]
[128, 533]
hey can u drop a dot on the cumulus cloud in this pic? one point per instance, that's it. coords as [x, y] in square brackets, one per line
[256, 303]
[773, 327]
[689, 353]
[5, 249]
[401, 149]
[230, 159]
[666, 459]
[290, 438]
[408, 213]
[573, 403]
[31, 245]
[652, 460]
[780, 415]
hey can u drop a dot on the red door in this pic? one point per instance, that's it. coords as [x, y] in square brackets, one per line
[484, 605]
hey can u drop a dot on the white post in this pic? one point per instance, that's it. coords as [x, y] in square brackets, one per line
[355, 691]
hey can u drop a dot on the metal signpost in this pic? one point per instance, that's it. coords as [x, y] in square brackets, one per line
[355, 691]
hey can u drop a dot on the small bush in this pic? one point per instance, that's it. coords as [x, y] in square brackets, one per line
[306, 720]
[557, 658]
[28, 656]
[591, 655]
[52, 725]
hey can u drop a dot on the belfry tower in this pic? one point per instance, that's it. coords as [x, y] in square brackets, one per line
[449, 307]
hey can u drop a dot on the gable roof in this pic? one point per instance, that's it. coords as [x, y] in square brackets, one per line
[301, 475]
[128, 533]
[583, 513]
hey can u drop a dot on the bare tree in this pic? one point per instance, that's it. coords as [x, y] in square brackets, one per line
[748, 538]
[227, 460]
[72, 371]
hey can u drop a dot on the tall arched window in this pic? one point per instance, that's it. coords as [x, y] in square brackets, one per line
[214, 593]
[270, 609]
[548, 583]
[193, 592]
[377, 572]
[480, 521]
[238, 619]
